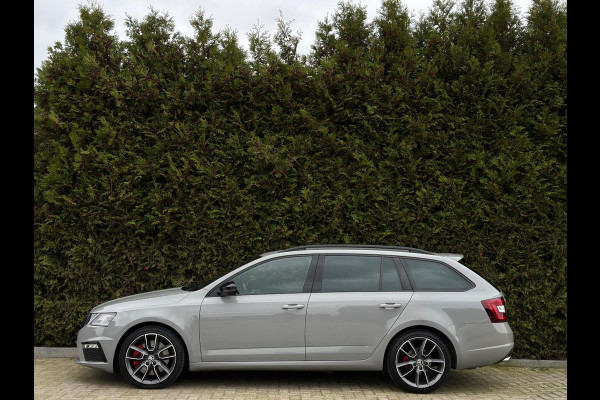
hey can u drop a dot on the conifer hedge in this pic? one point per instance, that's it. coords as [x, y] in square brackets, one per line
[161, 159]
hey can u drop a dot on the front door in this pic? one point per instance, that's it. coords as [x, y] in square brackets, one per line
[265, 321]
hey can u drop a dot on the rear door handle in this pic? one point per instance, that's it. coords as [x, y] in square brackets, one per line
[292, 306]
[390, 306]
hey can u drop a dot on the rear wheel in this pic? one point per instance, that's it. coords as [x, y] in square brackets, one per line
[151, 357]
[419, 361]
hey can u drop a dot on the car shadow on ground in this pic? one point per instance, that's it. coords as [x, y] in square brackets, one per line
[303, 381]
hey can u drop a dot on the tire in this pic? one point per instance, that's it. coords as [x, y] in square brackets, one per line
[419, 361]
[154, 368]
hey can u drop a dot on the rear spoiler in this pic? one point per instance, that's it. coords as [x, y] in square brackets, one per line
[452, 256]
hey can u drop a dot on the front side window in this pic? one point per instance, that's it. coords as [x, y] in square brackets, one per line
[351, 274]
[282, 275]
[434, 276]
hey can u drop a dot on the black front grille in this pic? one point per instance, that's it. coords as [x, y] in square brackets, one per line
[95, 355]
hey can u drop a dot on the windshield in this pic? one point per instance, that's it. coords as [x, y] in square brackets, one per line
[199, 283]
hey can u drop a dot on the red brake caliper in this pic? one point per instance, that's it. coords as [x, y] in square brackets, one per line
[137, 354]
[404, 360]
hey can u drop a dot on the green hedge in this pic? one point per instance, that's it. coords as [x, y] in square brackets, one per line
[161, 159]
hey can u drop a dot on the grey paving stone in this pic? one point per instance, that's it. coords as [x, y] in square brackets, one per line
[61, 378]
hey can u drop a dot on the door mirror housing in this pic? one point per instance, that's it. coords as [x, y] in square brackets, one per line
[228, 289]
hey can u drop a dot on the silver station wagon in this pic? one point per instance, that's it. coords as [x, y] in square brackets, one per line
[405, 311]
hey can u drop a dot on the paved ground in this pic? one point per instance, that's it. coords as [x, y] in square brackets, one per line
[61, 378]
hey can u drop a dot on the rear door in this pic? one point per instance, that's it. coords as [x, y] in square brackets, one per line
[355, 301]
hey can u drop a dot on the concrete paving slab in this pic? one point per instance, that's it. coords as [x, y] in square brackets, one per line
[61, 378]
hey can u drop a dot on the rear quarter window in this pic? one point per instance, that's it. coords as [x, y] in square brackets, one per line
[434, 276]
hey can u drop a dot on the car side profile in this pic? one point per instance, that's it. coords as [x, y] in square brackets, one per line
[409, 312]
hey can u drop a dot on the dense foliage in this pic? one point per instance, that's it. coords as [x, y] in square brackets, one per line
[161, 159]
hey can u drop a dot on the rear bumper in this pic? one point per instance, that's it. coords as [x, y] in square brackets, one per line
[506, 357]
[482, 344]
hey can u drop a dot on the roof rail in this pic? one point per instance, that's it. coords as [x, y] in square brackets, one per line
[354, 246]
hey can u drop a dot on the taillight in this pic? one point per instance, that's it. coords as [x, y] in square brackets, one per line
[495, 309]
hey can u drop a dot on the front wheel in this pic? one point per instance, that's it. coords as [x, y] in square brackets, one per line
[419, 361]
[151, 357]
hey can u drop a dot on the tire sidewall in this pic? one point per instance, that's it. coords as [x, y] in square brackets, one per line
[391, 360]
[180, 360]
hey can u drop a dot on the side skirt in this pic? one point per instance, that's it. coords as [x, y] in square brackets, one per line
[362, 365]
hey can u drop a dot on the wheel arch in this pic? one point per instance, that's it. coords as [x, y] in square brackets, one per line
[442, 335]
[116, 367]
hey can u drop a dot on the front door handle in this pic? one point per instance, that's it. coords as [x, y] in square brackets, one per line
[292, 306]
[390, 306]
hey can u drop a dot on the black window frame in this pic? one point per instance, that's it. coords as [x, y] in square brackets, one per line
[416, 289]
[404, 281]
[318, 280]
[306, 288]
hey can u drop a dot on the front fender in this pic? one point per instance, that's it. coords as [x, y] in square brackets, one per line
[183, 319]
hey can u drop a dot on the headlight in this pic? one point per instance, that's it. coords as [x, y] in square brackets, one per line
[87, 319]
[102, 319]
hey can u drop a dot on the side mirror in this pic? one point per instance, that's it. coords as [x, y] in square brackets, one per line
[228, 289]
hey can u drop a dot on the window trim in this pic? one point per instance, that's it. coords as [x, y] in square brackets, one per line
[381, 274]
[308, 282]
[416, 289]
[404, 281]
[318, 281]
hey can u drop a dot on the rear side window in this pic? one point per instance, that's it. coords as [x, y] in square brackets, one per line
[434, 276]
[351, 274]
[390, 280]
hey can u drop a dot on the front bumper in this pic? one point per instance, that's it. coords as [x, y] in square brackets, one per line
[101, 357]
